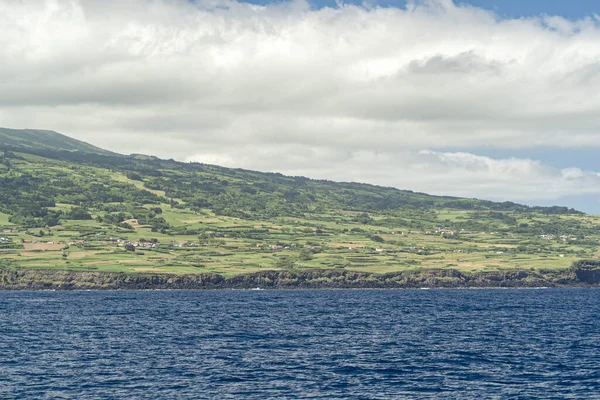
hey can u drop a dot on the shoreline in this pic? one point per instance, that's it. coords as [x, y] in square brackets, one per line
[22, 279]
[582, 287]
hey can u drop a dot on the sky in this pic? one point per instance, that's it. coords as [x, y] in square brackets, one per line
[478, 98]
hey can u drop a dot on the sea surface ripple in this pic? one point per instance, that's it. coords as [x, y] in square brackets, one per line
[362, 344]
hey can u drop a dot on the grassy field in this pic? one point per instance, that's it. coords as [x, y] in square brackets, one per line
[136, 215]
[331, 240]
[4, 220]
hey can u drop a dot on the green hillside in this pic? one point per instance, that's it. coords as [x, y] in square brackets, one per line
[41, 139]
[95, 211]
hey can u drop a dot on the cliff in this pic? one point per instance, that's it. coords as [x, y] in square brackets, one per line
[16, 279]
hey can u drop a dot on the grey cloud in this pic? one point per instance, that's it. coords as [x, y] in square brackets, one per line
[302, 90]
[463, 63]
[123, 92]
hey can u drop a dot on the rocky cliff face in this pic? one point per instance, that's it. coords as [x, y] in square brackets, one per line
[14, 279]
[587, 271]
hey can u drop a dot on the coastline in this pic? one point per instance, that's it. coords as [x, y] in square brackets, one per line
[20, 279]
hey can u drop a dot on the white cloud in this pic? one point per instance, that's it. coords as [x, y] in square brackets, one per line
[443, 173]
[332, 93]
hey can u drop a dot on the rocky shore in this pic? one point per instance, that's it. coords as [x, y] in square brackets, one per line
[581, 275]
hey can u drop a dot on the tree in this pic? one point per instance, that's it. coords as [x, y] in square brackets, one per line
[133, 176]
[306, 255]
[377, 238]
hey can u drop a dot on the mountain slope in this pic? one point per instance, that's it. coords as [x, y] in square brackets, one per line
[225, 191]
[89, 211]
[27, 139]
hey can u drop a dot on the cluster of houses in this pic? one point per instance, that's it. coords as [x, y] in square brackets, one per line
[134, 244]
[280, 247]
[143, 245]
[286, 247]
[419, 249]
[311, 247]
[4, 240]
[564, 238]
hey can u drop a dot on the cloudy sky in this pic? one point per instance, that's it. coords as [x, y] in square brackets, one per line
[490, 99]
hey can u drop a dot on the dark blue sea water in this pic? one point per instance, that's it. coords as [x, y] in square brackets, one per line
[301, 344]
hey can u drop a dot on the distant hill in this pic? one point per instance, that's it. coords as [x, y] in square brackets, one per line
[28, 187]
[28, 139]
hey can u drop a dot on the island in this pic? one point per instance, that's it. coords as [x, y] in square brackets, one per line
[73, 216]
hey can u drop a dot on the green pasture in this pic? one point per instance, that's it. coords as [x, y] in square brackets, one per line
[224, 228]
[4, 220]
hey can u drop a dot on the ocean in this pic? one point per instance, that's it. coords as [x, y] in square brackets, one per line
[301, 344]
